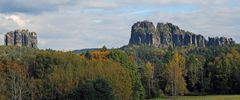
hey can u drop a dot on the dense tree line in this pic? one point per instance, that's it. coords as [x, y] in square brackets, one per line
[129, 73]
[189, 70]
[52, 75]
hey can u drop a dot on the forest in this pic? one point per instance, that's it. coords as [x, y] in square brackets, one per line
[127, 73]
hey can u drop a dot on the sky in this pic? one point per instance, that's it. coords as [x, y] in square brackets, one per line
[78, 24]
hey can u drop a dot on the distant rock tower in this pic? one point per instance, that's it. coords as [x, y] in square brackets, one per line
[21, 38]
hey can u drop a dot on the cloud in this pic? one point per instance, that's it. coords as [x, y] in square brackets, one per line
[19, 21]
[175, 2]
[32, 6]
[76, 24]
[41, 6]
[102, 4]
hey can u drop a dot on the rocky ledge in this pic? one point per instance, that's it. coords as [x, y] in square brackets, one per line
[167, 34]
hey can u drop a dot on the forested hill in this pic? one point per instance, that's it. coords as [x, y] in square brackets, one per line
[129, 73]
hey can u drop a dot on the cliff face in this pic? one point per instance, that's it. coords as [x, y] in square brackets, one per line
[21, 38]
[165, 35]
[219, 41]
[144, 33]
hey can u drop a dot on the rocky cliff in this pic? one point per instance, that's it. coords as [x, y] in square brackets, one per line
[144, 33]
[21, 38]
[167, 34]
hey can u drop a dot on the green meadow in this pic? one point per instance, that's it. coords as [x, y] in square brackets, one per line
[212, 97]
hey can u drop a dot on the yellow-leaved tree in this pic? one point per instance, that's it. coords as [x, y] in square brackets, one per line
[148, 75]
[176, 84]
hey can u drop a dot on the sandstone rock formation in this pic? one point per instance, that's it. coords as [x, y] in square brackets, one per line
[144, 33]
[219, 41]
[165, 35]
[21, 38]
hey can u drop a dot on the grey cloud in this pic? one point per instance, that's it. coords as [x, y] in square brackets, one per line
[86, 24]
[32, 6]
[39, 6]
[98, 4]
[175, 2]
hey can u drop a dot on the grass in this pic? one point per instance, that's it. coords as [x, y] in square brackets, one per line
[210, 97]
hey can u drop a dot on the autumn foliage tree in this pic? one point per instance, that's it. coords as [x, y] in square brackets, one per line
[128, 73]
[175, 75]
[14, 80]
[148, 76]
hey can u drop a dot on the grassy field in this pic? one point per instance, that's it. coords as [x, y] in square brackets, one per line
[213, 97]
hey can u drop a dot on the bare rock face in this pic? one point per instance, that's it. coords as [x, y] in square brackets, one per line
[144, 33]
[21, 38]
[219, 41]
[166, 35]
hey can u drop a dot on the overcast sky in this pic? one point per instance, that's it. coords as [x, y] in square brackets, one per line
[78, 24]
